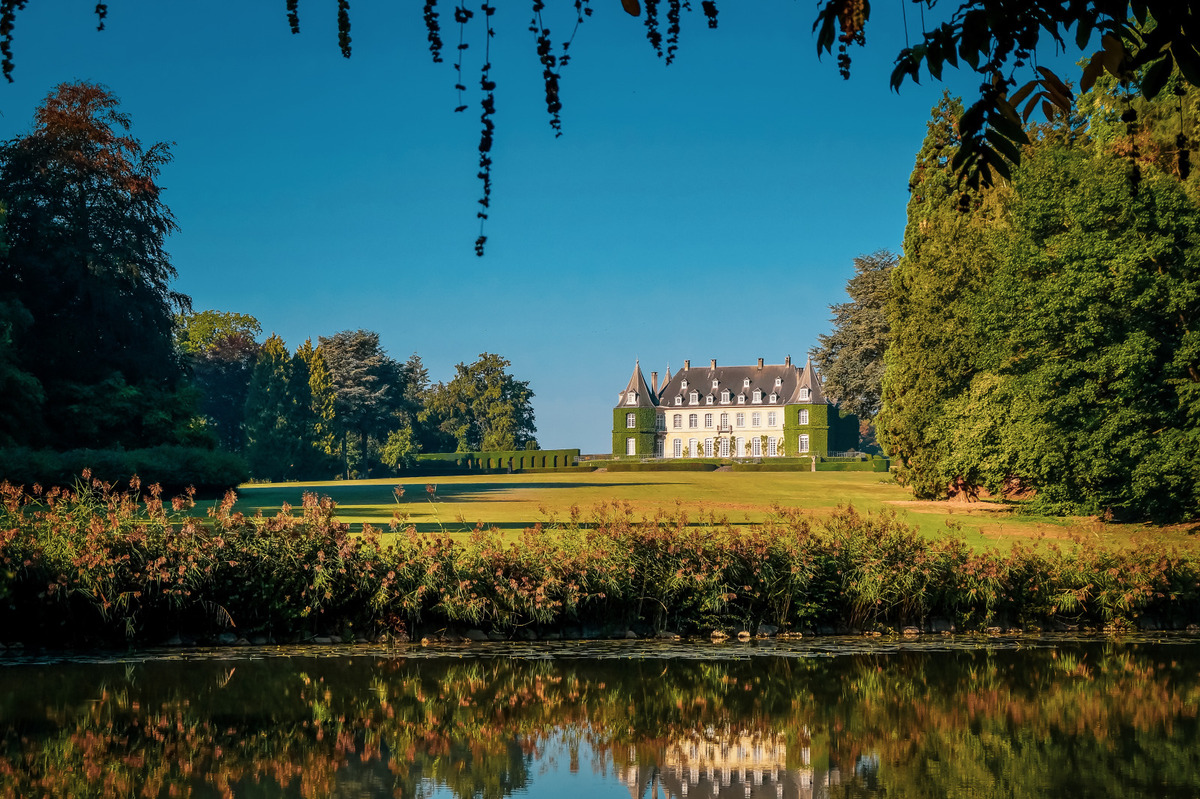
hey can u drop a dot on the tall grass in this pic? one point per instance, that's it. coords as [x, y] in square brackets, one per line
[92, 564]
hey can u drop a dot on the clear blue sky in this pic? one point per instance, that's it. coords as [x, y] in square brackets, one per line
[709, 209]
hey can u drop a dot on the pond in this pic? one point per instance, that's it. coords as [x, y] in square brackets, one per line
[1036, 716]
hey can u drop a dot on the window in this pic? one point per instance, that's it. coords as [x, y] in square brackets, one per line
[630, 446]
[724, 420]
[658, 448]
[741, 420]
[746, 383]
[772, 398]
[724, 448]
[631, 420]
[715, 385]
[757, 396]
[778, 382]
[693, 448]
[660, 422]
[677, 421]
[708, 420]
[804, 393]
[725, 397]
[771, 417]
[741, 399]
[740, 449]
[631, 397]
[684, 383]
[756, 420]
[679, 400]
[708, 447]
[679, 448]
[756, 447]
[708, 400]
[694, 398]
[771, 447]
[804, 443]
[803, 418]
[693, 420]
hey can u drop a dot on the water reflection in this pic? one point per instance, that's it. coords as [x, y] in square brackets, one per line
[1080, 719]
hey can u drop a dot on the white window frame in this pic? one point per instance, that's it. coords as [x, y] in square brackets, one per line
[708, 447]
[708, 400]
[740, 447]
[693, 421]
[756, 419]
[741, 419]
[804, 443]
[659, 448]
[804, 394]
[683, 385]
[715, 384]
[741, 399]
[772, 447]
[802, 417]
[694, 398]
[725, 397]
[771, 399]
[677, 422]
[693, 448]
[660, 422]
[631, 397]
[678, 449]
[708, 420]
[631, 419]
[757, 399]
[723, 448]
[631, 446]
[679, 400]
[756, 447]
[778, 382]
[746, 383]
[723, 421]
[772, 419]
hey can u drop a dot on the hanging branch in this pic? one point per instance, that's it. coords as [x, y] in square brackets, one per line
[488, 105]
[433, 30]
[8, 19]
[710, 11]
[101, 13]
[461, 15]
[549, 62]
[653, 34]
[293, 15]
[344, 27]
[582, 9]
[673, 14]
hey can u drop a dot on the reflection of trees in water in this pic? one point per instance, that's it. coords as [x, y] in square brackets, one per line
[1034, 723]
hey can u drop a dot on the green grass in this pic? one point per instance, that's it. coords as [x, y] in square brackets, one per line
[513, 502]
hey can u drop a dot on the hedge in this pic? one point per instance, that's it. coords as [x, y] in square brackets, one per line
[175, 468]
[492, 462]
[664, 466]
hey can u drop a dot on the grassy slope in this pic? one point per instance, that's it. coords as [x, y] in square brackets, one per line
[512, 502]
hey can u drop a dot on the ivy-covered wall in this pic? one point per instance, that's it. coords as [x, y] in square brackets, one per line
[643, 431]
[828, 429]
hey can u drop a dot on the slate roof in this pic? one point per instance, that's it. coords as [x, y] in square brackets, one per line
[700, 379]
[643, 396]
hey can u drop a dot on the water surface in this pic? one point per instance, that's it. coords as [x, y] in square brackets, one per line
[1021, 717]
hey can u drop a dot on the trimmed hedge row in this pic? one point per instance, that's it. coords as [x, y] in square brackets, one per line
[432, 463]
[173, 467]
[664, 466]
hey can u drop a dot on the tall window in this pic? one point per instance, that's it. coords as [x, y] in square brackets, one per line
[804, 393]
[741, 420]
[658, 448]
[630, 446]
[725, 397]
[756, 447]
[803, 417]
[756, 420]
[693, 420]
[772, 449]
[631, 397]
[724, 420]
[708, 420]
[771, 419]
[724, 450]
[804, 443]
[708, 447]
[694, 398]
[631, 420]
[660, 422]
[740, 449]
[679, 448]
[677, 421]
[693, 448]
[757, 396]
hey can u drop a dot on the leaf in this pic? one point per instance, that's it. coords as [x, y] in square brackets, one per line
[1188, 61]
[1009, 129]
[996, 162]
[1019, 96]
[1113, 54]
[632, 7]
[1083, 31]
[1156, 76]
[1031, 106]
[1005, 146]
[1092, 71]
[1056, 87]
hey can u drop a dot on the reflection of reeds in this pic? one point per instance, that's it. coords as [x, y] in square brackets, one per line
[92, 561]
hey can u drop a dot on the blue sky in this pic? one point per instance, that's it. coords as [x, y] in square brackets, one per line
[710, 209]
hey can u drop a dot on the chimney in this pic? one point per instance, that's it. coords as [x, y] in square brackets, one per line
[712, 364]
[760, 363]
[787, 361]
[687, 364]
[654, 382]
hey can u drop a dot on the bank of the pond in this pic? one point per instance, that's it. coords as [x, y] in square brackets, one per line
[93, 567]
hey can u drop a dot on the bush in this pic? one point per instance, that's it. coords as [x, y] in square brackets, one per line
[174, 468]
[665, 466]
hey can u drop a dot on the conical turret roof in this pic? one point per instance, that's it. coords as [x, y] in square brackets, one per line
[812, 381]
[637, 394]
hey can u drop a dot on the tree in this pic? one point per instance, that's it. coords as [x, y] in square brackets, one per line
[86, 228]
[272, 436]
[222, 371]
[483, 407]
[197, 332]
[851, 357]
[367, 389]
[311, 367]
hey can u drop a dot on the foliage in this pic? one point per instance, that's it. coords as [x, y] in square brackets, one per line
[118, 567]
[173, 467]
[367, 389]
[850, 359]
[86, 262]
[273, 436]
[483, 407]
[221, 373]
[200, 331]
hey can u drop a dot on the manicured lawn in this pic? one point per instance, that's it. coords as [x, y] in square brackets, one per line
[513, 502]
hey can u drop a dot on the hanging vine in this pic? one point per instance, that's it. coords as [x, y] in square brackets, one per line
[488, 104]
[293, 15]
